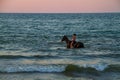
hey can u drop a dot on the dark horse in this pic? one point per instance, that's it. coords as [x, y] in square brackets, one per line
[76, 44]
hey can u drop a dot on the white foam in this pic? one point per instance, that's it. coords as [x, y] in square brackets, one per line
[99, 67]
[57, 48]
[33, 68]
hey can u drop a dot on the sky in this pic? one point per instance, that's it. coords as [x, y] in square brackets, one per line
[59, 6]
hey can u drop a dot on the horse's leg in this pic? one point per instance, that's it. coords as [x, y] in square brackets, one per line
[77, 46]
[68, 46]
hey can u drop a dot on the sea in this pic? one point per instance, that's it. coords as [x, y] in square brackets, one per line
[31, 47]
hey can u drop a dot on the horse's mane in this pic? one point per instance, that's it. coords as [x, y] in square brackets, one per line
[66, 37]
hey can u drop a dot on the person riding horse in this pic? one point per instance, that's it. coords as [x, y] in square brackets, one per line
[69, 42]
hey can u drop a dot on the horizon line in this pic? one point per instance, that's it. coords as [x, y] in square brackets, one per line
[54, 12]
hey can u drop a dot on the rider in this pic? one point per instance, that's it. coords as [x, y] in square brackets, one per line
[73, 40]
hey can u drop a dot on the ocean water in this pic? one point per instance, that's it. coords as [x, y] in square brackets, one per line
[31, 47]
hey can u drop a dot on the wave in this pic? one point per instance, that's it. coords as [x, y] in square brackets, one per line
[55, 56]
[60, 68]
[104, 55]
[27, 57]
[92, 69]
[31, 68]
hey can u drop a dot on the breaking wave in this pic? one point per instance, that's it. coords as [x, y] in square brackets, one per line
[70, 68]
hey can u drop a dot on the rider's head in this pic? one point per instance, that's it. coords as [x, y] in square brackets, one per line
[74, 34]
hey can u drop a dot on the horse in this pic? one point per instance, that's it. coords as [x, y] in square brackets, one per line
[68, 42]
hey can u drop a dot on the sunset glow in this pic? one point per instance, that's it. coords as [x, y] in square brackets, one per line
[59, 6]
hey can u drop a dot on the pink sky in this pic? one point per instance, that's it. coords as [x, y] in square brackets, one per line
[59, 6]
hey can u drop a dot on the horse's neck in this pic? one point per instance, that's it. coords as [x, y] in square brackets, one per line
[67, 41]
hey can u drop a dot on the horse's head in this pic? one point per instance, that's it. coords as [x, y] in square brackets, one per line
[64, 38]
